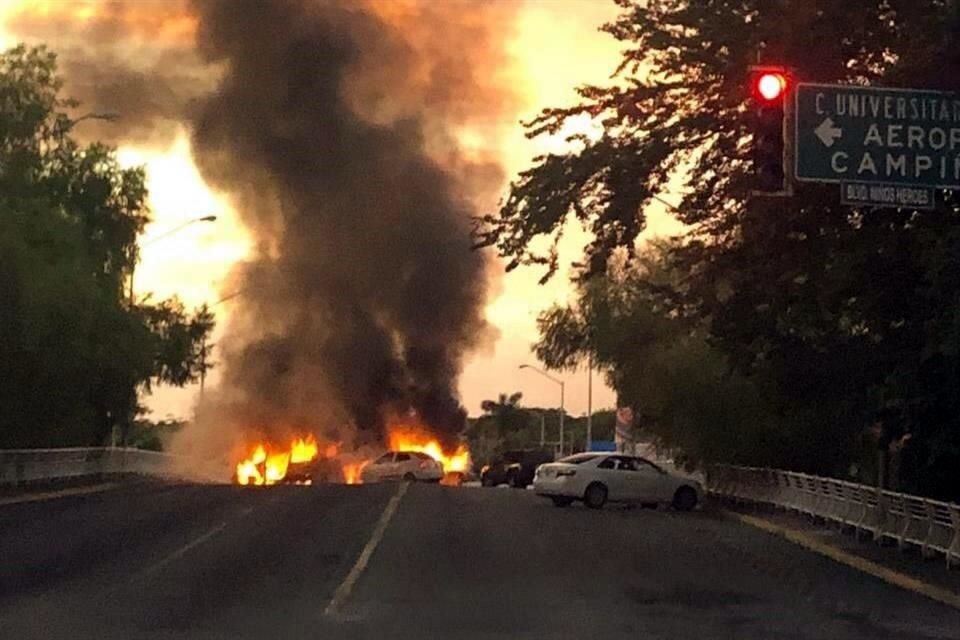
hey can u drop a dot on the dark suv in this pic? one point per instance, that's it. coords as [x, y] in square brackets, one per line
[514, 468]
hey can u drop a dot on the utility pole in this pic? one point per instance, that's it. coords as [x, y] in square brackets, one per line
[589, 402]
[561, 417]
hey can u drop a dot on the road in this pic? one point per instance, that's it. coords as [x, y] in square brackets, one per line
[192, 561]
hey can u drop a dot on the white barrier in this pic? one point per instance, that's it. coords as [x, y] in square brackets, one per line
[932, 526]
[25, 466]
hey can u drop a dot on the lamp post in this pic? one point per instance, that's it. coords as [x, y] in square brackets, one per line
[180, 227]
[556, 381]
[133, 267]
[589, 402]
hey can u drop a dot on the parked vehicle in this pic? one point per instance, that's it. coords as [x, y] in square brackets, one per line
[598, 478]
[403, 465]
[515, 468]
[319, 470]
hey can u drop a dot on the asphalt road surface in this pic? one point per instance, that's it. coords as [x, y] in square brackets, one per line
[191, 561]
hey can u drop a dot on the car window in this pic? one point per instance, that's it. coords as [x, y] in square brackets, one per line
[578, 458]
[609, 463]
[403, 457]
[626, 464]
[421, 455]
[642, 464]
[384, 459]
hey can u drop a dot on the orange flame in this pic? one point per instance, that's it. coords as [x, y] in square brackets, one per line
[303, 449]
[414, 438]
[265, 467]
[352, 472]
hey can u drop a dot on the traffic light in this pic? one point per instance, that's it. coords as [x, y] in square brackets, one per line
[770, 90]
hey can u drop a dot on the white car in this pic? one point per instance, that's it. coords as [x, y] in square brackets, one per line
[403, 465]
[598, 478]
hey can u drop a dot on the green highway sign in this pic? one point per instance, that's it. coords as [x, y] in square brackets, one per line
[874, 135]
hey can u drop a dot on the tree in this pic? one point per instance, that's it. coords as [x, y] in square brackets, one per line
[506, 413]
[843, 316]
[662, 364]
[73, 350]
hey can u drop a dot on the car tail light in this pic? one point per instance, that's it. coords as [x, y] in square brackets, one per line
[566, 472]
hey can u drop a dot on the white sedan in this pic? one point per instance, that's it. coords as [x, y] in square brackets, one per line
[598, 478]
[411, 466]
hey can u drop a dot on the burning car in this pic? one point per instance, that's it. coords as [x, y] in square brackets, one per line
[403, 465]
[414, 454]
[302, 463]
[315, 471]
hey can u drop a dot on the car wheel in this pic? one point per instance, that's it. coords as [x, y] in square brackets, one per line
[409, 477]
[561, 501]
[684, 499]
[595, 496]
[486, 481]
[516, 482]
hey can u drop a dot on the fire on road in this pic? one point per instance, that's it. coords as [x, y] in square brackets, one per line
[268, 463]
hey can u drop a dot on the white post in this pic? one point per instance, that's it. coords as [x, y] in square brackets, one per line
[561, 418]
[589, 402]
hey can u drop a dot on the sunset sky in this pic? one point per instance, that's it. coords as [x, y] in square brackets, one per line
[554, 46]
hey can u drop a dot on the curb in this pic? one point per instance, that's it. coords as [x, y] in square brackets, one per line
[897, 579]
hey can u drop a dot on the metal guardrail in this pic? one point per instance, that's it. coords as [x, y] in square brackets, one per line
[25, 466]
[932, 526]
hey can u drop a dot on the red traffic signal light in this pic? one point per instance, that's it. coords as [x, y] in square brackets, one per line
[770, 86]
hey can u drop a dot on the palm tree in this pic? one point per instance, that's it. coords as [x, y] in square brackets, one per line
[506, 412]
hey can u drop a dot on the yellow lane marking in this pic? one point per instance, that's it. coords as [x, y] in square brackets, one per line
[343, 591]
[869, 567]
[63, 493]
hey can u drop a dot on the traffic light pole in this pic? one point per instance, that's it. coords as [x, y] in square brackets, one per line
[789, 129]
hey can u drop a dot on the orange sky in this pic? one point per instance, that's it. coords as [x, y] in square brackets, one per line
[556, 47]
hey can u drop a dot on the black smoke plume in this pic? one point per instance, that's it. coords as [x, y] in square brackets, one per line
[364, 285]
[331, 125]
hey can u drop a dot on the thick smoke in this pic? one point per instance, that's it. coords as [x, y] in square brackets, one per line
[364, 290]
[134, 58]
[332, 125]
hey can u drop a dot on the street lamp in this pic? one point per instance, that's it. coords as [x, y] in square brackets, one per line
[166, 234]
[110, 116]
[556, 381]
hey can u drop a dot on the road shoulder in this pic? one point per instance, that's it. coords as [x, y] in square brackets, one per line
[927, 577]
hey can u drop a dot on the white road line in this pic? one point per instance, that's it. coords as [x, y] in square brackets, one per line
[63, 493]
[343, 591]
[179, 553]
[196, 542]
